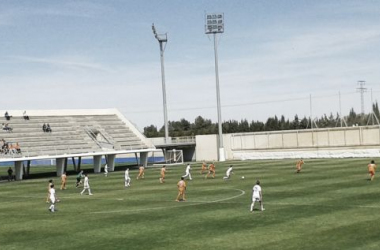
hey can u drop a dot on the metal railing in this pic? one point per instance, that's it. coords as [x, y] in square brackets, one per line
[173, 140]
[54, 152]
[107, 141]
[183, 139]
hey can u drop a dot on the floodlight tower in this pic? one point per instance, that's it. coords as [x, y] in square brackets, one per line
[215, 25]
[162, 40]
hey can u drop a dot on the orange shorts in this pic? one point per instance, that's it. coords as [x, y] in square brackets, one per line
[372, 173]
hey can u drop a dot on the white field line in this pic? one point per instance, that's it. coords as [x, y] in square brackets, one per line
[224, 200]
[77, 195]
[193, 203]
[320, 205]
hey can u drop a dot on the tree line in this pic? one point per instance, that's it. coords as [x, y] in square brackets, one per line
[203, 126]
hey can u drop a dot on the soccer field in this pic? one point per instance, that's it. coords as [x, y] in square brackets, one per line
[329, 205]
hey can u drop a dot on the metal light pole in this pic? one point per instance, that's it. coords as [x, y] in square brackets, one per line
[311, 113]
[215, 25]
[163, 39]
[361, 89]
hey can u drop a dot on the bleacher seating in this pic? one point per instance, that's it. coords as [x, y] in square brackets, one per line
[70, 135]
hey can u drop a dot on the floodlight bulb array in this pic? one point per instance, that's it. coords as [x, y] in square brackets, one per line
[214, 23]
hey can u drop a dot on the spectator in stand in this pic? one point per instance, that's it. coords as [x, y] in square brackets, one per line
[2, 146]
[7, 116]
[6, 147]
[12, 149]
[44, 127]
[48, 129]
[6, 127]
[18, 149]
[9, 129]
[26, 117]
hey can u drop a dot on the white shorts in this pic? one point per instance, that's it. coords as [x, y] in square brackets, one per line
[254, 198]
[52, 199]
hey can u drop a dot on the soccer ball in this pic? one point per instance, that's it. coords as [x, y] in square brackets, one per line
[242, 177]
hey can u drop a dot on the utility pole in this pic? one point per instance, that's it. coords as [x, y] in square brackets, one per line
[311, 113]
[313, 124]
[361, 89]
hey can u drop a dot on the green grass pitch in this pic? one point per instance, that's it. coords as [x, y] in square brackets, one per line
[329, 205]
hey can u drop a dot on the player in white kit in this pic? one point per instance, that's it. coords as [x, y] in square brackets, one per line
[52, 198]
[127, 178]
[86, 185]
[106, 170]
[187, 174]
[228, 173]
[257, 196]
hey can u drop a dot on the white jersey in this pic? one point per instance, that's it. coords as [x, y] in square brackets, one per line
[86, 184]
[52, 192]
[52, 195]
[188, 169]
[127, 174]
[229, 170]
[256, 192]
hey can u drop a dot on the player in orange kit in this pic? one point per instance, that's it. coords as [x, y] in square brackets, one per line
[211, 169]
[181, 189]
[372, 169]
[63, 181]
[299, 165]
[204, 167]
[141, 172]
[163, 170]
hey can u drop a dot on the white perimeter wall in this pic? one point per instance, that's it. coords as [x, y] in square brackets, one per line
[317, 143]
[206, 148]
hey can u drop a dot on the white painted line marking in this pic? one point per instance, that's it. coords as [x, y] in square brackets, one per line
[194, 203]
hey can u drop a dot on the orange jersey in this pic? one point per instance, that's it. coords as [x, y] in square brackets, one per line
[204, 166]
[299, 163]
[211, 167]
[63, 178]
[371, 167]
[181, 185]
[163, 172]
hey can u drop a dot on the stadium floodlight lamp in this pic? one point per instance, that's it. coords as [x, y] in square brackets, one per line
[214, 23]
[159, 37]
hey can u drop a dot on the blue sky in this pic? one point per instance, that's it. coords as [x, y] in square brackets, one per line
[272, 57]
